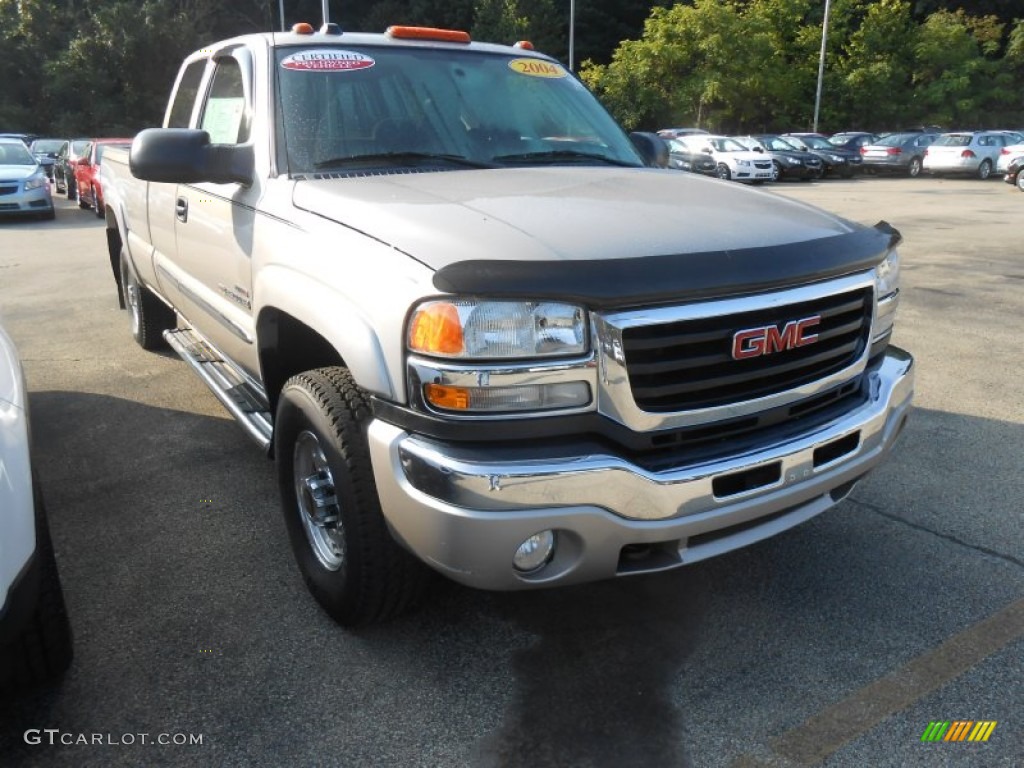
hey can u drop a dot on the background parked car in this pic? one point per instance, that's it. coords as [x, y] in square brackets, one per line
[852, 140]
[968, 152]
[87, 174]
[1007, 155]
[35, 636]
[732, 159]
[898, 152]
[64, 166]
[24, 186]
[674, 133]
[837, 161]
[1015, 173]
[788, 162]
[683, 158]
[46, 151]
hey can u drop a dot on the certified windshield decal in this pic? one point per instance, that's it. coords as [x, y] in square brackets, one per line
[327, 60]
[536, 68]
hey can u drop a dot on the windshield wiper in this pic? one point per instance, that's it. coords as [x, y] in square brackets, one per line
[560, 155]
[400, 158]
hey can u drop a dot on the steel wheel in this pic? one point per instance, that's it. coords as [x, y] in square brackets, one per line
[317, 502]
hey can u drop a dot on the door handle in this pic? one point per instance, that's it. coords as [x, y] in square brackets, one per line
[181, 209]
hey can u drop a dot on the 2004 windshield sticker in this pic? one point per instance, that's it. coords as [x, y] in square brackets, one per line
[536, 68]
[327, 60]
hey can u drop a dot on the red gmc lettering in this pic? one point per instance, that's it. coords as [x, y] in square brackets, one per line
[767, 340]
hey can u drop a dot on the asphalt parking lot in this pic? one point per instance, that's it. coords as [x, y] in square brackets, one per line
[834, 644]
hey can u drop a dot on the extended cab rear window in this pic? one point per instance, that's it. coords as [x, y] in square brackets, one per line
[340, 103]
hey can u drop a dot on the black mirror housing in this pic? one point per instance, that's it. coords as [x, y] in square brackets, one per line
[186, 156]
[652, 148]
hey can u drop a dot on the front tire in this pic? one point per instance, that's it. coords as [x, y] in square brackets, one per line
[43, 650]
[776, 170]
[1020, 181]
[346, 555]
[985, 170]
[722, 171]
[149, 316]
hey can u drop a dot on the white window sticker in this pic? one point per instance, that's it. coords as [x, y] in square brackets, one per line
[327, 60]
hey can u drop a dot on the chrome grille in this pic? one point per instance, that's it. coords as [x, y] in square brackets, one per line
[688, 364]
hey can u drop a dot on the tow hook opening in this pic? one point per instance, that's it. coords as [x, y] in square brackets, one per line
[644, 558]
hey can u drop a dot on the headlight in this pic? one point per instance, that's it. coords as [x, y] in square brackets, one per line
[37, 181]
[887, 275]
[791, 160]
[837, 158]
[470, 329]
[743, 163]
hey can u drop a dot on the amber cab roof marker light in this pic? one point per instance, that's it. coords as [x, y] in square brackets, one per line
[428, 33]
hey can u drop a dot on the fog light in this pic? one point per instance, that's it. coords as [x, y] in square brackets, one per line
[534, 553]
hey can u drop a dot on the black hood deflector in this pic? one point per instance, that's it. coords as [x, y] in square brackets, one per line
[619, 283]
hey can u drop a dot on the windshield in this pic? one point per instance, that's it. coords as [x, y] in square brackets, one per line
[776, 144]
[371, 107]
[816, 142]
[896, 139]
[727, 145]
[78, 147]
[953, 140]
[15, 153]
[47, 145]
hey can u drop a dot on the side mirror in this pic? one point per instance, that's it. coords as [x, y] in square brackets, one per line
[186, 156]
[652, 148]
[759, 149]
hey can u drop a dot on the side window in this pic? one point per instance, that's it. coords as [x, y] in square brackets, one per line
[224, 111]
[185, 96]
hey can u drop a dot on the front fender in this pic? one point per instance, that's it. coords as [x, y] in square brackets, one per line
[334, 317]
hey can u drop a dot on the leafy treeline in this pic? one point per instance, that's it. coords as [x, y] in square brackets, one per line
[105, 67]
[753, 66]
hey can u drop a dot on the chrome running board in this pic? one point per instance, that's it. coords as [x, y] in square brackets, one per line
[235, 392]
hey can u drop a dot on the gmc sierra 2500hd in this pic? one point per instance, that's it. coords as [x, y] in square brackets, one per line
[445, 291]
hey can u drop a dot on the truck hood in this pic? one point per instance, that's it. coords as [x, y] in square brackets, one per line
[545, 221]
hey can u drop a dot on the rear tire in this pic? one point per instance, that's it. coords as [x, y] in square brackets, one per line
[914, 168]
[1020, 181]
[346, 555]
[985, 170]
[150, 317]
[42, 652]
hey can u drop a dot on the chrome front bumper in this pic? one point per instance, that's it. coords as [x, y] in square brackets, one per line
[465, 512]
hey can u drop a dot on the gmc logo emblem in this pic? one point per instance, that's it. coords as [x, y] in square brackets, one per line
[754, 342]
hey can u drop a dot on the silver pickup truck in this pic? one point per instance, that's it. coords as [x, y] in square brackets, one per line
[476, 329]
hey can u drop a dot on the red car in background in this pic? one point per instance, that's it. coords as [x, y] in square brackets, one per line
[87, 174]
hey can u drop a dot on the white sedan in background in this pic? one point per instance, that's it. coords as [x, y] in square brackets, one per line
[734, 161]
[35, 636]
[965, 152]
[1007, 156]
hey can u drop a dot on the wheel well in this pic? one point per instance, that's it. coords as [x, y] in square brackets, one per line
[286, 347]
[114, 250]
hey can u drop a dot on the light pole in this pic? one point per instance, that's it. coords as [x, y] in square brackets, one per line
[821, 65]
[572, 31]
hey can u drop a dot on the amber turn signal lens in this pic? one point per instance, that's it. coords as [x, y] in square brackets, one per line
[452, 398]
[436, 329]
